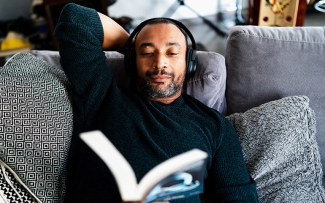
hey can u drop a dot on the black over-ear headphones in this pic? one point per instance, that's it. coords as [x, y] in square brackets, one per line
[130, 58]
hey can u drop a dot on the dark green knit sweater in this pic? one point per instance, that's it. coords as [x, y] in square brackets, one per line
[145, 132]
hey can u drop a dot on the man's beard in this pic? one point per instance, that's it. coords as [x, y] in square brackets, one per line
[147, 89]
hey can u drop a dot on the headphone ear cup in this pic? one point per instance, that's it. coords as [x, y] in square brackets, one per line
[133, 65]
[126, 61]
[191, 62]
[129, 62]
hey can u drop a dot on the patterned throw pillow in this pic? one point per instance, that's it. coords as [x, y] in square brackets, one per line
[12, 189]
[280, 150]
[35, 124]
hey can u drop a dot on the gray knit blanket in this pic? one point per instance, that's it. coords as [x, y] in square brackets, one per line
[35, 128]
[280, 150]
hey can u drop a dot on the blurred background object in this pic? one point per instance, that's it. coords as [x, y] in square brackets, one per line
[13, 9]
[33, 19]
[320, 6]
[277, 13]
[53, 9]
[19, 27]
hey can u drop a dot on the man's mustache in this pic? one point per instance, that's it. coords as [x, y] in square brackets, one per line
[159, 72]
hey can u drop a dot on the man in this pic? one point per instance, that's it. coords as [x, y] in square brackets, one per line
[147, 124]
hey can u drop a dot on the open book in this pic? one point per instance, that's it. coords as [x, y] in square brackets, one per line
[178, 177]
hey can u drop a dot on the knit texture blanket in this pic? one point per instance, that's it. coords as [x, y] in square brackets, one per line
[280, 150]
[35, 125]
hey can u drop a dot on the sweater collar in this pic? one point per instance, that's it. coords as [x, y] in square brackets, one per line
[177, 102]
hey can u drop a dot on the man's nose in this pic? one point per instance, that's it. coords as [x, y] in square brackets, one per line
[160, 61]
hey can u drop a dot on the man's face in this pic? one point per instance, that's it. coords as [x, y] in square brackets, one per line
[160, 60]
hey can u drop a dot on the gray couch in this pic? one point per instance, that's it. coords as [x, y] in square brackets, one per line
[270, 85]
[265, 64]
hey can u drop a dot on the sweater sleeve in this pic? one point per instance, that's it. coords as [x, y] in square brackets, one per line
[80, 36]
[228, 179]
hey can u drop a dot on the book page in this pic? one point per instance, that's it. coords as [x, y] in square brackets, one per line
[178, 177]
[182, 184]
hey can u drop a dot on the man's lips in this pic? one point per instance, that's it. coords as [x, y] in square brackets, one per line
[159, 78]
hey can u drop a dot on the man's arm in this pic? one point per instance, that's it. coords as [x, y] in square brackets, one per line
[115, 37]
[82, 34]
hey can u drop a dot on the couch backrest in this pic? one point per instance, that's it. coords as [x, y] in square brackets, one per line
[207, 85]
[268, 63]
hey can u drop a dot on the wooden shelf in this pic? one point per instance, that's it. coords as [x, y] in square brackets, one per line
[14, 51]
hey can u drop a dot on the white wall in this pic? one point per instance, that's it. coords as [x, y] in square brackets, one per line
[12, 9]
[143, 9]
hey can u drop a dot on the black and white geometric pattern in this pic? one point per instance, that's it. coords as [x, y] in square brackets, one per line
[35, 124]
[11, 188]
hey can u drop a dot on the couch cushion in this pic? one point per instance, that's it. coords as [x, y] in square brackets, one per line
[280, 150]
[207, 85]
[12, 189]
[35, 124]
[268, 63]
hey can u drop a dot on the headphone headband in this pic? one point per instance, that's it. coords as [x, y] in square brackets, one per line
[146, 22]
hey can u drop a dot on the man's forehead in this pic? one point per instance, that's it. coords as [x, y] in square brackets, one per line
[160, 30]
[167, 44]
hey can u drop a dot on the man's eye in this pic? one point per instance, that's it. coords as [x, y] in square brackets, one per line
[173, 53]
[146, 53]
